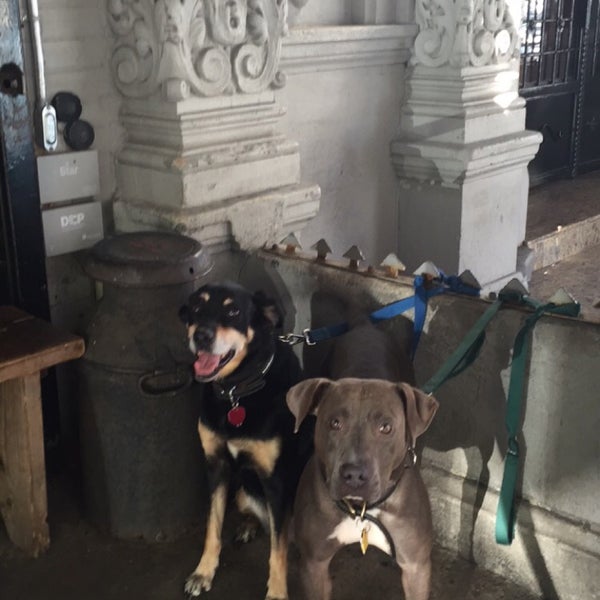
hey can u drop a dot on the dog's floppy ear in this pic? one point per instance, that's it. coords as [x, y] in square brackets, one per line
[303, 398]
[268, 308]
[184, 314]
[420, 409]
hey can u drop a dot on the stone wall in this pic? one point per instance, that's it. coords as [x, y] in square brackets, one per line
[343, 92]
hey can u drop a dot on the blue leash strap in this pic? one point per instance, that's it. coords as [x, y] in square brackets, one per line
[424, 289]
[313, 336]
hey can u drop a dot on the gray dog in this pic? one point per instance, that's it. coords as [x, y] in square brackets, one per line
[362, 484]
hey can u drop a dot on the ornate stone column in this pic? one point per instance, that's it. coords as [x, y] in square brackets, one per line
[203, 154]
[462, 151]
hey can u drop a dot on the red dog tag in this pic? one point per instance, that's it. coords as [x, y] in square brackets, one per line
[237, 415]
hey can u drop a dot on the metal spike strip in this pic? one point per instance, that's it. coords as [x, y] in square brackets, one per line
[322, 248]
[469, 279]
[561, 296]
[354, 255]
[514, 285]
[392, 265]
[428, 270]
[291, 243]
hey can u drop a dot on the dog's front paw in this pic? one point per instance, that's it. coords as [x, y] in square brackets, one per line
[195, 584]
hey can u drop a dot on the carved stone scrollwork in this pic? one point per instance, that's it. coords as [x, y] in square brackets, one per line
[465, 32]
[201, 47]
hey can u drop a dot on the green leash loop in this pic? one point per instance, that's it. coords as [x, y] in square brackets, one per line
[505, 514]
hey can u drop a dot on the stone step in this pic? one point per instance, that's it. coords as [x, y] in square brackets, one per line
[565, 241]
[578, 274]
[563, 218]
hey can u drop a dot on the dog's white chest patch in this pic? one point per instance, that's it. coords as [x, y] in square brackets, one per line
[349, 531]
[233, 450]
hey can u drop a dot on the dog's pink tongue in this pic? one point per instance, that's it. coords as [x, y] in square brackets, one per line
[206, 363]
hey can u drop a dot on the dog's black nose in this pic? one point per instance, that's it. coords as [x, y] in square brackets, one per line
[355, 475]
[204, 336]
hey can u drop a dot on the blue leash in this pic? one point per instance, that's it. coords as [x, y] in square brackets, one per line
[425, 288]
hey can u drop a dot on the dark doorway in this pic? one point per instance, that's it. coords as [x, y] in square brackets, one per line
[589, 145]
[22, 259]
[560, 78]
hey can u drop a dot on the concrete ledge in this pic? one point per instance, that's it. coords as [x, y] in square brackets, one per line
[565, 242]
[551, 555]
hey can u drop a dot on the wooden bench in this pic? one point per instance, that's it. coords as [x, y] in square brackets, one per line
[27, 346]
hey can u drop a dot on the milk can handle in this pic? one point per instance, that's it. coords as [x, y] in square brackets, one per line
[165, 383]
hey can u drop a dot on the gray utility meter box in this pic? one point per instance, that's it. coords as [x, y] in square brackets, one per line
[71, 217]
[72, 227]
[68, 176]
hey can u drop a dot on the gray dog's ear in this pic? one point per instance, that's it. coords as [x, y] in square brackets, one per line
[304, 398]
[420, 409]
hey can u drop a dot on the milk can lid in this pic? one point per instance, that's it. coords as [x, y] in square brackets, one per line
[148, 259]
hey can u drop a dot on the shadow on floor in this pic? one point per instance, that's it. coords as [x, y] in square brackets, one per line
[84, 564]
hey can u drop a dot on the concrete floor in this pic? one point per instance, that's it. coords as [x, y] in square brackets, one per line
[83, 564]
[560, 203]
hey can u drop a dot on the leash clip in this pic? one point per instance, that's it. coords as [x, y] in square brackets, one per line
[296, 338]
[513, 446]
[291, 339]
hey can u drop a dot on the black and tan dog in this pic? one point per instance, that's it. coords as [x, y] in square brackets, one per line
[245, 427]
[362, 484]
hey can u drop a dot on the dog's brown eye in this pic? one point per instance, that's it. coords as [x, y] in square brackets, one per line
[385, 428]
[335, 424]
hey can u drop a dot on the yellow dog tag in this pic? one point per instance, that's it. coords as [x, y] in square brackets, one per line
[364, 540]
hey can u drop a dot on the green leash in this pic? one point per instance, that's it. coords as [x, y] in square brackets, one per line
[466, 353]
[505, 514]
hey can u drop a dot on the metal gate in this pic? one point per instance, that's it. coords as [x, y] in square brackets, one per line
[560, 78]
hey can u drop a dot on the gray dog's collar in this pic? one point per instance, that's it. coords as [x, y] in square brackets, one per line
[362, 512]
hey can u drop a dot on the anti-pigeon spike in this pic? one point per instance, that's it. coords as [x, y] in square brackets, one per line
[561, 296]
[354, 255]
[467, 278]
[291, 243]
[392, 265]
[322, 248]
[428, 269]
[514, 287]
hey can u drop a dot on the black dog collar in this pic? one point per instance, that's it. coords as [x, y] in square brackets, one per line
[233, 388]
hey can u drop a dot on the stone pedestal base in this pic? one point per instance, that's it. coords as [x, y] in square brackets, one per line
[215, 169]
[247, 222]
[462, 158]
